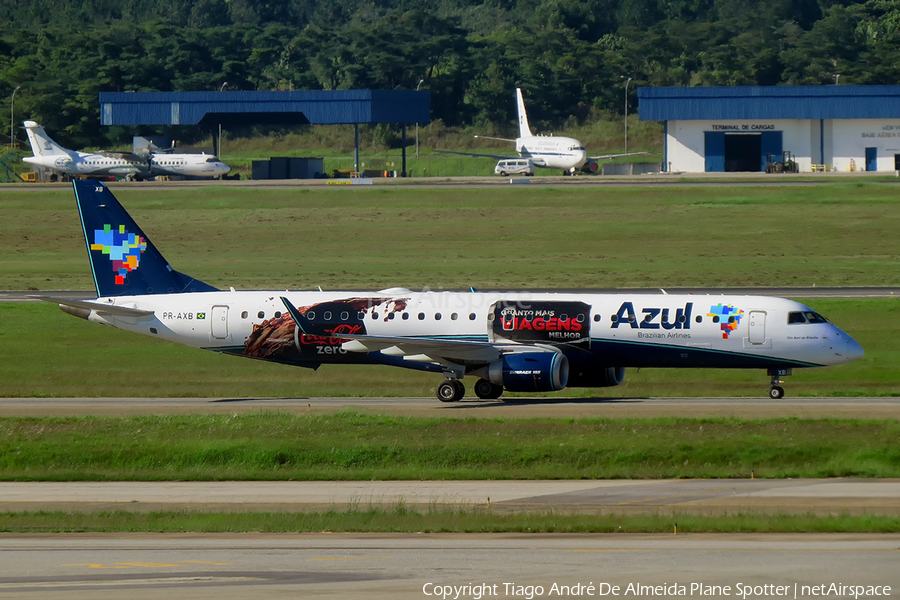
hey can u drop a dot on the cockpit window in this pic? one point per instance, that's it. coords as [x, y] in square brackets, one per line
[212, 159]
[806, 316]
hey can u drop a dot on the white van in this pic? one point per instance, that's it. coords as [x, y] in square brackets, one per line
[514, 166]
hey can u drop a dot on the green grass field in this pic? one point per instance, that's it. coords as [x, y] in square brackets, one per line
[404, 519]
[496, 236]
[355, 446]
[297, 238]
[371, 238]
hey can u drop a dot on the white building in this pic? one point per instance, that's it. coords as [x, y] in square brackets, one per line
[714, 129]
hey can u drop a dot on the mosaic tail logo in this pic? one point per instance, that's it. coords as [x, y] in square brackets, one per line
[123, 249]
[727, 316]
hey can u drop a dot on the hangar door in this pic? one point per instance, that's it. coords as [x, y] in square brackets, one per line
[731, 152]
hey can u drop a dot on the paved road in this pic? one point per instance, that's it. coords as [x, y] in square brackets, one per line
[511, 408]
[677, 496]
[275, 567]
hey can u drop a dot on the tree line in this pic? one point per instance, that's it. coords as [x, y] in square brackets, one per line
[572, 57]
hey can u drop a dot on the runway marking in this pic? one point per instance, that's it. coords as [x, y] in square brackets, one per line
[349, 557]
[125, 565]
[93, 566]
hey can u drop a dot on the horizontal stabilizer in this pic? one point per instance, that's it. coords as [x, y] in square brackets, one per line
[608, 156]
[100, 307]
[475, 155]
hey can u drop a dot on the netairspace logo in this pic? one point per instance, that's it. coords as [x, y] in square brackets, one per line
[477, 591]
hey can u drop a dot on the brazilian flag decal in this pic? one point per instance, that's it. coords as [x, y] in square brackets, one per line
[201, 315]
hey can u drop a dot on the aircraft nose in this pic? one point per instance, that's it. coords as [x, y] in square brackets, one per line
[852, 349]
[845, 348]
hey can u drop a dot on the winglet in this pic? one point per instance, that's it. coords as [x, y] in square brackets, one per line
[304, 325]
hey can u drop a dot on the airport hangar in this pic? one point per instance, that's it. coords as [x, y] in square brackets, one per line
[719, 129]
[215, 110]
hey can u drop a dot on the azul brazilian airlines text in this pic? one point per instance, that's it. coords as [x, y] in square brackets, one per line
[522, 342]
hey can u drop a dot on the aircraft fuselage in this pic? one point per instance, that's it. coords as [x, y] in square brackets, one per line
[552, 152]
[592, 330]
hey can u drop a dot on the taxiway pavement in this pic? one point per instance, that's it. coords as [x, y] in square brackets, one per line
[425, 566]
[678, 496]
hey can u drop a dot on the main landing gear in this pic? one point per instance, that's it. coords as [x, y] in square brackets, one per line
[776, 391]
[452, 390]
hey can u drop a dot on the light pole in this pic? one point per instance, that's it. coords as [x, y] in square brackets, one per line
[421, 81]
[626, 113]
[12, 119]
[218, 148]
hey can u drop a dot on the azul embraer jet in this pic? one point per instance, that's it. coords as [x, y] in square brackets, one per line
[516, 341]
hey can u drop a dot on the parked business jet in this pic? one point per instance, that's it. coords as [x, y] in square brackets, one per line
[516, 341]
[550, 152]
[51, 155]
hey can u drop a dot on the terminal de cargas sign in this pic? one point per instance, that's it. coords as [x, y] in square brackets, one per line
[745, 127]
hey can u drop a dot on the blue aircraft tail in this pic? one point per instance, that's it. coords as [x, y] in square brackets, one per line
[123, 260]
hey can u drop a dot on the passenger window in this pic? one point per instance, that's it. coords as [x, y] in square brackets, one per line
[311, 315]
[327, 315]
[454, 317]
[261, 315]
[374, 316]
[390, 316]
[345, 315]
[421, 316]
[245, 314]
[277, 314]
[437, 316]
[406, 316]
[471, 316]
[596, 318]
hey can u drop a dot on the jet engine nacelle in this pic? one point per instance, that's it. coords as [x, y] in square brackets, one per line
[591, 166]
[530, 372]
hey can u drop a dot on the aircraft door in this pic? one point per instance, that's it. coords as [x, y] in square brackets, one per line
[757, 327]
[219, 322]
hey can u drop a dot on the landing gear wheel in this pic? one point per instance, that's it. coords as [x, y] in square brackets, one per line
[776, 392]
[486, 390]
[451, 390]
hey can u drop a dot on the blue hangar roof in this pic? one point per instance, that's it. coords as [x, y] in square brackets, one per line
[774, 102]
[251, 108]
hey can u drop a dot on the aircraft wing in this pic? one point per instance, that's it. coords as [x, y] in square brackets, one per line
[124, 155]
[431, 349]
[494, 156]
[109, 309]
[428, 349]
[608, 156]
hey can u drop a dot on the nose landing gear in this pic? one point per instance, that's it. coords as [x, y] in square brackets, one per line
[776, 391]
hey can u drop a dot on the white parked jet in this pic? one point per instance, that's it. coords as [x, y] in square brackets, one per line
[51, 155]
[516, 341]
[550, 152]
